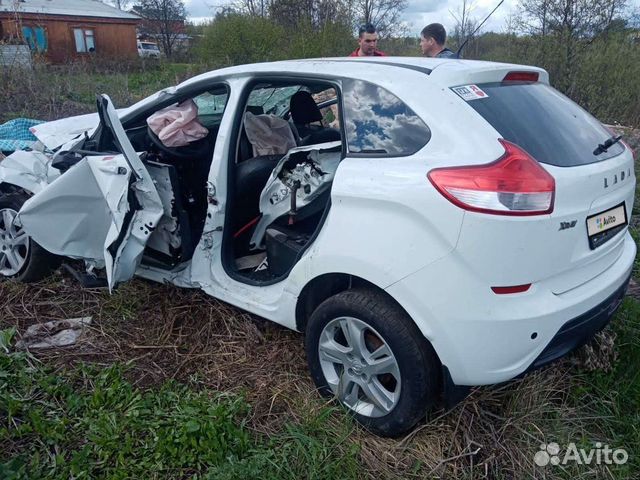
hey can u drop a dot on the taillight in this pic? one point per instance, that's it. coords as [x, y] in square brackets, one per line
[521, 77]
[515, 184]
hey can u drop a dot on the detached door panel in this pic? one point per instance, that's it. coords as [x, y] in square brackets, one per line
[102, 209]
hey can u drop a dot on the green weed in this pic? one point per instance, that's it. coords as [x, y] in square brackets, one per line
[90, 422]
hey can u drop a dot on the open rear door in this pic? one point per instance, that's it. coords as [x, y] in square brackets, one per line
[103, 209]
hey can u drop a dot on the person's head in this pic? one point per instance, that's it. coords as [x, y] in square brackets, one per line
[367, 39]
[432, 39]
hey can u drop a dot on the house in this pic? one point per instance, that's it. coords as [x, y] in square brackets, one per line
[67, 30]
[166, 28]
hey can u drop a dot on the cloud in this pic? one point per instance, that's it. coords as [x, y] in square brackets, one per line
[378, 120]
[201, 8]
[419, 14]
[422, 6]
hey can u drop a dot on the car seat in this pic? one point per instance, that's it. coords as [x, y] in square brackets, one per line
[304, 112]
[252, 172]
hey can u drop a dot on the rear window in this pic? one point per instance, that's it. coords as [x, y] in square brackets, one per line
[538, 118]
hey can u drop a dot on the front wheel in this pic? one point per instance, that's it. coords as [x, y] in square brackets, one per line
[20, 257]
[366, 351]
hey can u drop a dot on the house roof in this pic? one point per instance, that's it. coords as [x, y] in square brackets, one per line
[76, 8]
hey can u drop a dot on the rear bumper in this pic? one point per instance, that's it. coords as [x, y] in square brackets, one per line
[580, 330]
[571, 336]
[483, 338]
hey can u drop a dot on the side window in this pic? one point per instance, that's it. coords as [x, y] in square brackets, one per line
[36, 38]
[85, 40]
[274, 101]
[279, 116]
[211, 103]
[211, 106]
[378, 122]
[327, 101]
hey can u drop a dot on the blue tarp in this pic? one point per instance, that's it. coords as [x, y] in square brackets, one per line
[15, 134]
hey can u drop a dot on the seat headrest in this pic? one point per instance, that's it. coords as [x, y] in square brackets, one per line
[255, 109]
[303, 109]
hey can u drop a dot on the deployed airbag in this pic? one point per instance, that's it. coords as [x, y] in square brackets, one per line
[177, 125]
[268, 134]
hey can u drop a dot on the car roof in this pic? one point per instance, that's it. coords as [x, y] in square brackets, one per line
[352, 67]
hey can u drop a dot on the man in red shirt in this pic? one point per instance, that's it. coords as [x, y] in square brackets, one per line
[367, 39]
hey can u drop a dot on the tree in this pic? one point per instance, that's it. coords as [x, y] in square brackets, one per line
[253, 8]
[315, 14]
[566, 28]
[385, 15]
[234, 38]
[164, 20]
[311, 14]
[465, 25]
[120, 4]
[576, 18]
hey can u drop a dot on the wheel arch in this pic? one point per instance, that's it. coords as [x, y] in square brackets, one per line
[326, 285]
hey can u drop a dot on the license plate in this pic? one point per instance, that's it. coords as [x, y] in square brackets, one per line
[605, 225]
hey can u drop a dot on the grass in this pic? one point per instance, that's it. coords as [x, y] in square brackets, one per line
[49, 93]
[91, 422]
[608, 400]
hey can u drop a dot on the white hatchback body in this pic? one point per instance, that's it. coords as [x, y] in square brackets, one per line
[490, 291]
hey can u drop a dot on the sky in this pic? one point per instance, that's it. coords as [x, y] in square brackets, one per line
[418, 13]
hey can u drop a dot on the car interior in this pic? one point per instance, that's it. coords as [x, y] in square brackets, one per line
[180, 174]
[287, 236]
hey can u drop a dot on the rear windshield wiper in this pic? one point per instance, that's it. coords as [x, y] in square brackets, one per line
[603, 147]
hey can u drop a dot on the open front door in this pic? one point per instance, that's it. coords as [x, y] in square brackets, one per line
[103, 209]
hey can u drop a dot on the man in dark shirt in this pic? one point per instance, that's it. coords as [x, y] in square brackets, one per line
[432, 40]
[368, 40]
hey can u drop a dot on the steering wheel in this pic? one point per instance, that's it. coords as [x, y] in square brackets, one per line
[194, 150]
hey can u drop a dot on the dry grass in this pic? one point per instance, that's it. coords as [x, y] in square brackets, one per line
[165, 332]
[49, 92]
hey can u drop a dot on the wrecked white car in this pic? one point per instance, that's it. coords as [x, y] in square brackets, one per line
[430, 224]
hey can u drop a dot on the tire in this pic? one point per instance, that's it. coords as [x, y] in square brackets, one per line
[362, 375]
[26, 261]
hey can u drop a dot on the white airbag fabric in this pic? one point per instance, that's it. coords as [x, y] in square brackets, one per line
[268, 134]
[177, 125]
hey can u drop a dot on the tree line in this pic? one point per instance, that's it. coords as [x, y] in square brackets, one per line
[591, 48]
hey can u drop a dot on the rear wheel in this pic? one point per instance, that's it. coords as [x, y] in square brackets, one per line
[364, 349]
[20, 257]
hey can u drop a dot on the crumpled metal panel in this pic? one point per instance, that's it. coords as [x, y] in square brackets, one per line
[314, 171]
[86, 213]
[166, 236]
[58, 132]
[70, 217]
[122, 265]
[29, 170]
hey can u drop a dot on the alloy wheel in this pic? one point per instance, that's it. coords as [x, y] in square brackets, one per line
[14, 244]
[359, 366]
